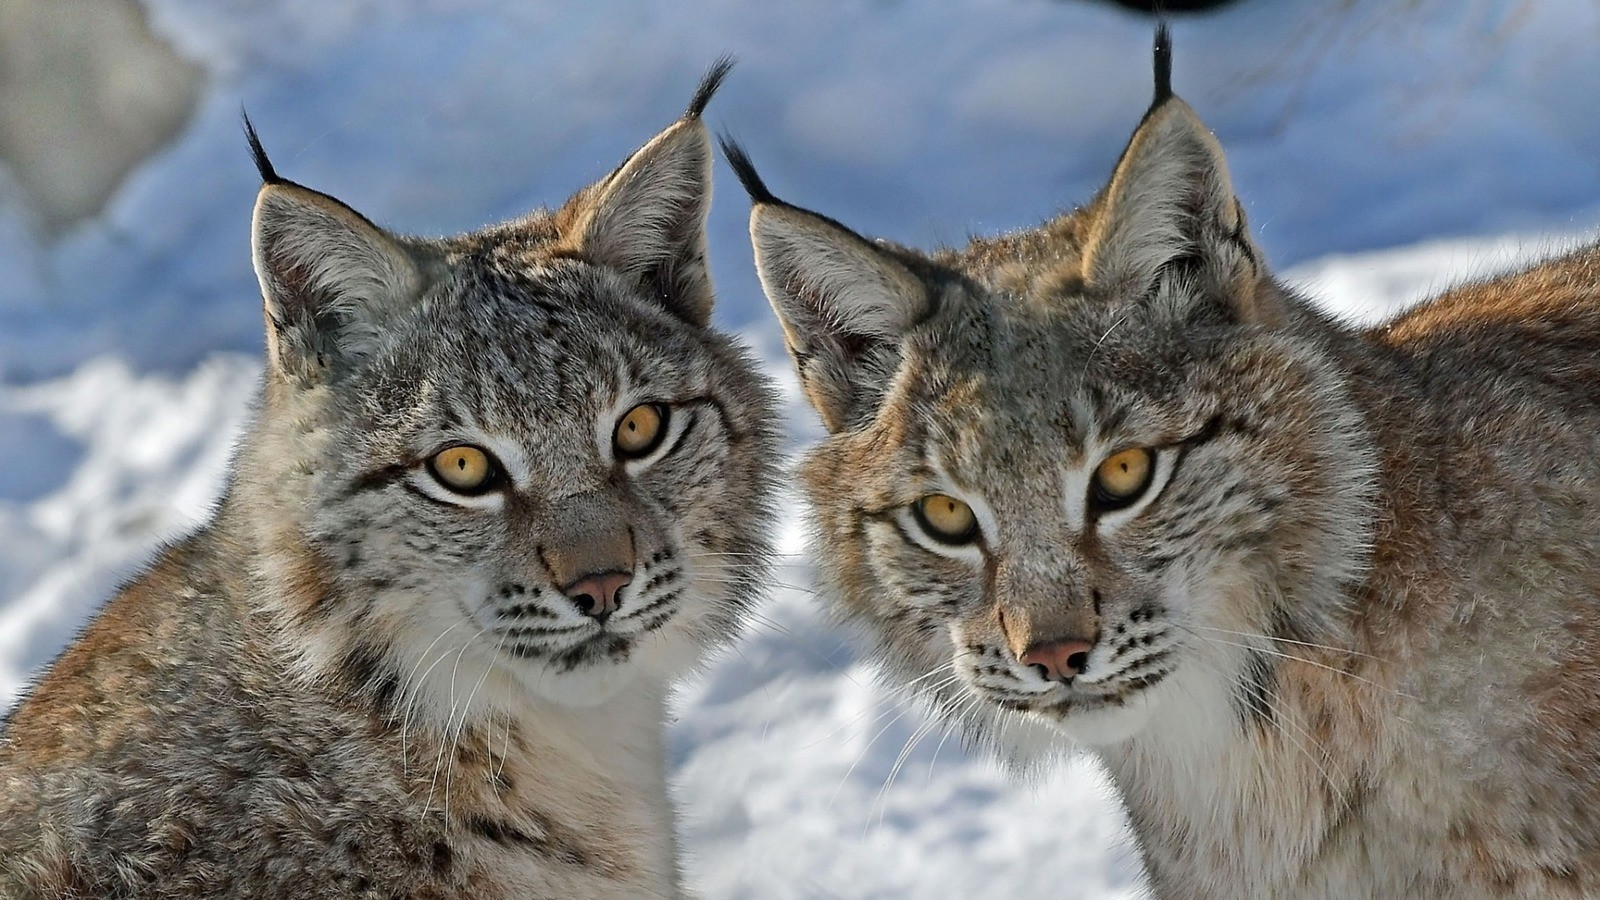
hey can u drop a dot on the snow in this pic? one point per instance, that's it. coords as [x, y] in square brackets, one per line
[1418, 147]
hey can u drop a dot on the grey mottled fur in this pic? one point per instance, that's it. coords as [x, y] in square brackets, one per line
[352, 682]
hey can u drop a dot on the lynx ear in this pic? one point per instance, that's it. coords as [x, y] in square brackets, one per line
[648, 219]
[1170, 213]
[330, 279]
[844, 303]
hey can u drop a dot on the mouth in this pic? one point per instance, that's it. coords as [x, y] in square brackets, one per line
[572, 645]
[1115, 696]
[603, 648]
[1063, 700]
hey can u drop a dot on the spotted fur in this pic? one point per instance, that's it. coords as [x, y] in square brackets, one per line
[353, 682]
[1346, 643]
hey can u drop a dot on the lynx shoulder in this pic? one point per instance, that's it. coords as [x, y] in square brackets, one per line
[500, 489]
[1324, 601]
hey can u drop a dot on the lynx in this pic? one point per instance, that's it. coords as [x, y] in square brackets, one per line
[1325, 602]
[500, 489]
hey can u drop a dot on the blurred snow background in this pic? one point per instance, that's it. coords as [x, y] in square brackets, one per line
[1384, 149]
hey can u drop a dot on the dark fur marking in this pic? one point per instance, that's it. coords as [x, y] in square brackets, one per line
[708, 86]
[376, 479]
[739, 160]
[666, 577]
[1252, 701]
[683, 435]
[413, 489]
[369, 674]
[269, 175]
[504, 833]
[1163, 65]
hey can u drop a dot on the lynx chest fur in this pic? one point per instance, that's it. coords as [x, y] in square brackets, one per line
[1325, 602]
[500, 489]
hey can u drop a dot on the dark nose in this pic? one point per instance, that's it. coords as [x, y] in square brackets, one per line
[596, 594]
[1058, 660]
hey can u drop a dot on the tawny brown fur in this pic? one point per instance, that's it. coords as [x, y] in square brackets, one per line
[1347, 641]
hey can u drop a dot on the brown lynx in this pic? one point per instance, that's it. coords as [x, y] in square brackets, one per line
[1324, 601]
[500, 489]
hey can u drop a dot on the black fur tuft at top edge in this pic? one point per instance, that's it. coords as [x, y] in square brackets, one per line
[269, 175]
[1163, 63]
[746, 170]
[708, 86]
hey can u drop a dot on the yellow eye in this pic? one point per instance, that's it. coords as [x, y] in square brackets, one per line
[1122, 479]
[640, 431]
[464, 469]
[947, 519]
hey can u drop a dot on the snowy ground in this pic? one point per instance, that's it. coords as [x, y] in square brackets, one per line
[128, 348]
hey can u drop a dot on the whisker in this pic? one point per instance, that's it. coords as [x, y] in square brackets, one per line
[881, 799]
[899, 706]
[1280, 721]
[1282, 640]
[1294, 658]
[863, 754]
[461, 727]
[411, 687]
[444, 734]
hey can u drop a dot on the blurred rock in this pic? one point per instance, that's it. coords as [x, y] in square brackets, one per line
[87, 92]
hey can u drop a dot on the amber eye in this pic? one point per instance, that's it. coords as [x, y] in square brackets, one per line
[946, 519]
[640, 432]
[1122, 479]
[464, 469]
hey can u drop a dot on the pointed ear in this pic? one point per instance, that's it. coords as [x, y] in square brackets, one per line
[330, 279]
[648, 219]
[844, 302]
[1170, 226]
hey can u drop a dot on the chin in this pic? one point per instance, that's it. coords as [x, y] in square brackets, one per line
[585, 686]
[650, 660]
[1107, 725]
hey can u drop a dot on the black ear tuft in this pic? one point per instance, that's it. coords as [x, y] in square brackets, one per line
[1163, 64]
[269, 175]
[746, 170]
[708, 86]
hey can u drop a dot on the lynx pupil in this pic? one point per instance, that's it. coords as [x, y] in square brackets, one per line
[1122, 478]
[640, 431]
[947, 519]
[464, 469]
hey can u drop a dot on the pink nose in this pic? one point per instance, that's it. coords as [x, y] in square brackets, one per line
[1059, 660]
[596, 595]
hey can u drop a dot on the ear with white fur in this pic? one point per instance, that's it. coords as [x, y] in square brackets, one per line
[648, 219]
[1169, 225]
[330, 279]
[844, 303]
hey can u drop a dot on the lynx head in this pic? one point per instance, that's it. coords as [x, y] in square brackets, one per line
[1086, 472]
[512, 461]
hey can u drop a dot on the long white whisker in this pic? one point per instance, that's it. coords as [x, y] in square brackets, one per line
[1281, 640]
[1280, 721]
[461, 727]
[412, 688]
[444, 734]
[1310, 662]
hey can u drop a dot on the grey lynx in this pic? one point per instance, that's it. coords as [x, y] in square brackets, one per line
[1324, 601]
[500, 489]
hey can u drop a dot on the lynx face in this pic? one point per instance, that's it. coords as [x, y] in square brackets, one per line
[603, 518]
[1120, 509]
[520, 460]
[1078, 476]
